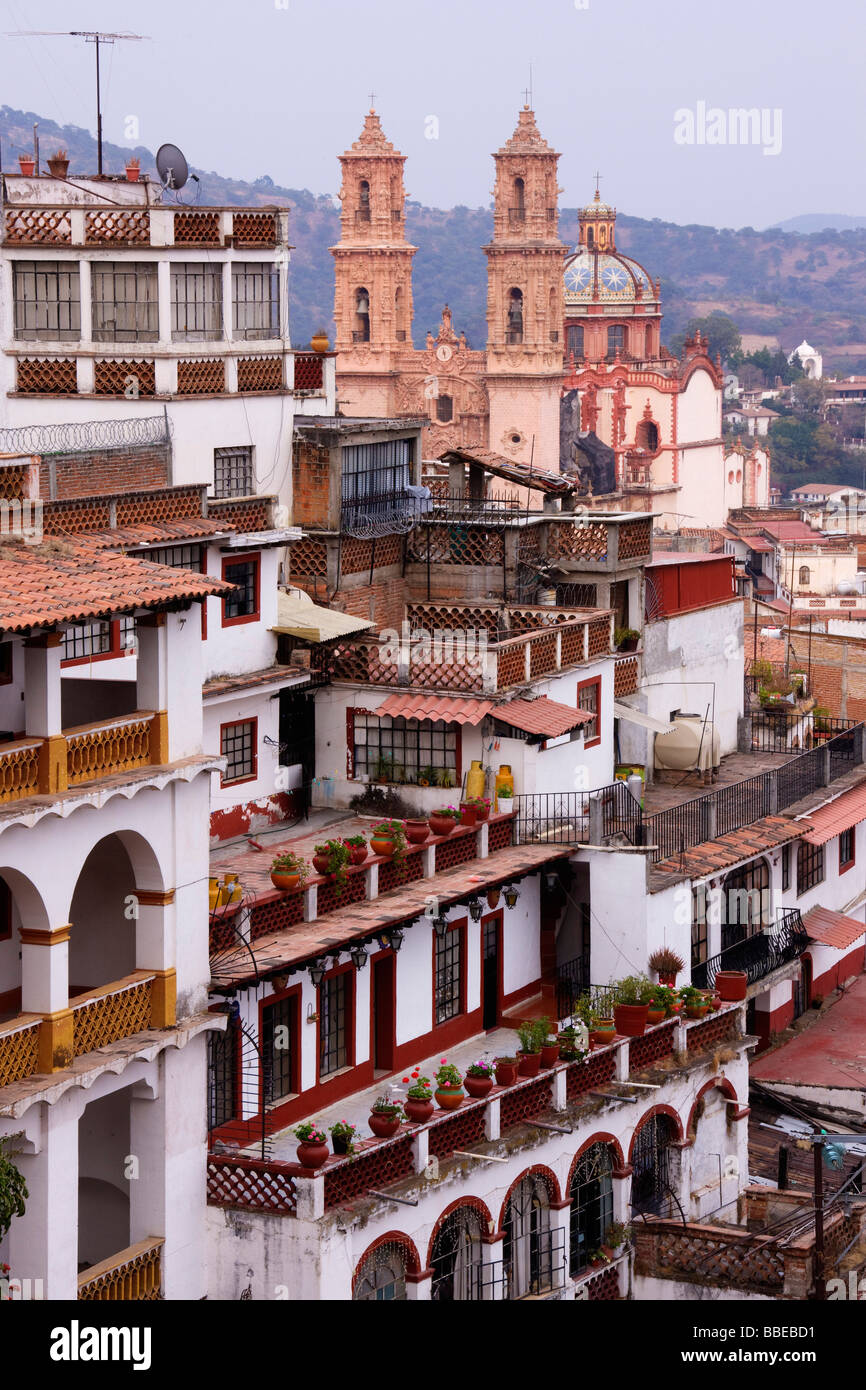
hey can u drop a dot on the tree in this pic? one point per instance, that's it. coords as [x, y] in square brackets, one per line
[722, 334]
[810, 396]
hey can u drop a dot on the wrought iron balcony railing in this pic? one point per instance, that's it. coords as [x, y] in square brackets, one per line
[758, 955]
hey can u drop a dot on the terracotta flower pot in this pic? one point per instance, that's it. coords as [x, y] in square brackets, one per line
[382, 1126]
[285, 882]
[655, 1016]
[132, 173]
[550, 1054]
[602, 1036]
[382, 847]
[482, 813]
[417, 831]
[319, 342]
[321, 862]
[28, 166]
[529, 1063]
[58, 168]
[667, 977]
[506, 1073]
[467, 814]
[357, 853]
[313, 1155]
[493, 899]
[695, 1010]
[441, 825]
[419, 1111]
[450, 1099]
[630, 1019]
[478, 1086]
[731, 985]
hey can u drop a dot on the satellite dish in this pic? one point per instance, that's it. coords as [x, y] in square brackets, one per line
[171, 166]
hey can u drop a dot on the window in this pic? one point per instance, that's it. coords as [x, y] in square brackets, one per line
[382, 1276]
[846, 849]
[805, 574]
[6, 666]
[180, 557]
[448, 981]
[810, 866]
[444, 409]
[745, 902]
[589, 699]
[238, 747]
[786, 867]
[127, 634]
[334, 1011]
[196, 302]
[699, 925]
[532, 1253]
[256, 300]
[514, 323]
[278, 1047]
[125, 302]
[222, 1075]
[405, 750]
[574, 340]
[47, 299]
[85, 640]
[241, 606]
[374, 480]
[363, 201]
[647, 436]
[456, 1258]
[233, 472]
[517, 211]
[651, 1184]
[591, 1196]
[615, 340]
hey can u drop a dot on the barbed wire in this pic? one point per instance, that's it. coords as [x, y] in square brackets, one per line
[81, 436]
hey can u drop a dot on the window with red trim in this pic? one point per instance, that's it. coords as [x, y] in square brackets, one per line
[280, 1046]
[242, 605]
[589, 699]
[846, 849]
[336, 999]
[239, 745]
[97, 641]
[449, 974]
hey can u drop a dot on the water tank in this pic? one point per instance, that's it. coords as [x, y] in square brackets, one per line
[692, 743]
[847, 586]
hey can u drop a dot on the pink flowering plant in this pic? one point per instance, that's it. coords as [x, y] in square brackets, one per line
[482, 1068]
[664, 997]
[451, 812]
[388, 1109]
[343, 1134]
[419, 1086]
[448, 1078]
[310, 1133]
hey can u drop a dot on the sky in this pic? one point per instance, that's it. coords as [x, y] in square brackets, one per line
[626, 87]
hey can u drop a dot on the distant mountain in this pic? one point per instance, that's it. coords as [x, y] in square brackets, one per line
[821, 222]
[776, 282]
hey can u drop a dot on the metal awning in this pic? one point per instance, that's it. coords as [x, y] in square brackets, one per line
[646, 721]
[298, 616]
[445, 707]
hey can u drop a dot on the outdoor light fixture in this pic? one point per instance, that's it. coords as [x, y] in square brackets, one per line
[396, 938]
[359, 955]
[440, 925]
[475, 909]
[511, 895]
[317, 972]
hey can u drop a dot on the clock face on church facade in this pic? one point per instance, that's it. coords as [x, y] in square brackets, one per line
[443, 352]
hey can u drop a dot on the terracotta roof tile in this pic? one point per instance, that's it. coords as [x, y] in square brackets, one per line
[174, 532]
[501, 467]
[727, 850]
[447, 707]
[833, 928]
[838, 815]
[541, 716]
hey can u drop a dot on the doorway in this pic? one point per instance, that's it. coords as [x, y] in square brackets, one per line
[383, 1012]
[297, 738]
[491, 943]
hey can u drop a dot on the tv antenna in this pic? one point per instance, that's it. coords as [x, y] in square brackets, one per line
[90, 36]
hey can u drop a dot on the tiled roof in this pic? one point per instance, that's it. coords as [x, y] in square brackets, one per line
[74, 581]
[838, 815]
[728, 850]
[447, 707]
[829, 1053]
[833, 928]
[249, 680]
[541, 716]
[188, 528]
[540, 478]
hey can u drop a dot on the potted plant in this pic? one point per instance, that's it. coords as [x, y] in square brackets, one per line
[417, 831]
[357, 847]
[28, 164]
[58, 164]
[479, 1079]
[506, 1070]
[731, 985]
[384, 769]
[319, 341]
[444, 778]
[343, 1137]
[313, 1146]
[449, 1087]
[331, 858]
[667, 964]
[631, 1005]
[569, 1049]
[389, 840]
[625, 639]
[663, 1003]
[505, 798]
[467, 811]
[386, 1117]
[419, 1103]
[133, 168]
[426, 777]
[443, 820]
[550, 1051]
[481, 805]
[288, 871]
[694, 1002]
[532, 1034]
[616, 1236]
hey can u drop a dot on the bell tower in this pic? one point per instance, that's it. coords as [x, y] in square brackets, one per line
[373, 271]
[525, 308]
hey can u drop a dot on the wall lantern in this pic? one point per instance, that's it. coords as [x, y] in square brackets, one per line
[317, 972]
[511, 895]
[359, 955]
[440, 925]
[475, 909]
[396, 938]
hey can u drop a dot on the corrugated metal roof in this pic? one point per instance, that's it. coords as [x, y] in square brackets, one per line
[828, 821]
[446, 707]
[832, 928]
[300, 617]
[541, 716]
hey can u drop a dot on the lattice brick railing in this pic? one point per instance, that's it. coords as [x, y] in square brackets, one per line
[309, 375]
[656, 1043]
[196, 229]
[103, 749]
[47, 376]
[249, 1182]
[116, 1011]
[127, 226]
[254, 229]
[635, 539]
[200, 376]
[133, 1275]
[19, 1050]
[573, 539]
[718, 1027]
[385, 1163]
[117, 377]
[260, 374]
[12, 481]
[460, 1130]
[625, 677]
[709, 1255]
[19, 769]
[602, 1287]
[38, 226]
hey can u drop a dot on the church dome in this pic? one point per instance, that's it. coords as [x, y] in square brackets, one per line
[605, 277]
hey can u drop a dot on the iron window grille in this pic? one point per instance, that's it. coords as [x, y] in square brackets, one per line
[699, 926]
[401, 750]
[278, 1046]
[810, 866]
[233, 472]
[125, 302]
[47, 300]
[238, 747]
[242, 602]
[846, 848]
[533, 1254]
[745, 902]
[588, 700]
[444, 409]
[196, 302]
[591, 1205]
[127, 632]
[574, 340]
[222, 1075]
[256, 300]
[615, 341]
[786, 867]
[457, 1258]
[382, 1276]
[651, 1163]
[333, 1023]
[86, 639]
[375, 479]
[449, 975]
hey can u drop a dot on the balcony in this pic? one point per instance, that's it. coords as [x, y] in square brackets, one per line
[62, 225]
[133, 1275]
[759, 955]
[39, 767]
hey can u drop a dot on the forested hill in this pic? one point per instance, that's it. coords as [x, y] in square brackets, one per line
[773, 283]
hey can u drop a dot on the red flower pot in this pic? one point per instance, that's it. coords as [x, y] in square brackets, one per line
[482, 813]
[655, 1016]
[419, 1111]
[357, 853]
[506, 1073]
[441, 825]
[285, 882]
[450, 1099]
[602, 1036]
[383, 1127]
[731, 985]
[385, 848]
[467, 814]
[321, 862]
[28, 166]
[529, 1063]
[416, 831]
[630, 1019]
[478, 1086]
[313, 1155]
[550, 1054]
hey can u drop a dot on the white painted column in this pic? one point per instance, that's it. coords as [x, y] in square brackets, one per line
[44, 970]
[42, 686]
[163, 291]
[43, 1244]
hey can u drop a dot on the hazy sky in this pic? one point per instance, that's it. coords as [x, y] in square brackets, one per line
[281, 86]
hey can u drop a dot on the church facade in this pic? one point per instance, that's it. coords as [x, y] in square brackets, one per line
[574, 374]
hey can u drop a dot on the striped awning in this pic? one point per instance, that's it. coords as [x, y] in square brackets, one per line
[445, 707]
